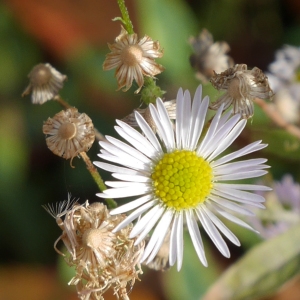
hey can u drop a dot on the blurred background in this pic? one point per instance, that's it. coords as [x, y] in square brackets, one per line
[72, 36]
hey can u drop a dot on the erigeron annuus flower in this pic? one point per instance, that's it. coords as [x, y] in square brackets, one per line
[133, 59]
[209, 56]
[241, 86]
[45, 83]
[179, 176]
[69, 133]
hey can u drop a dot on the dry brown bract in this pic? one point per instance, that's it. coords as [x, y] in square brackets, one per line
[145, 112]
[209, 56]
[45, 83]
[69, 133]
[133, 59]
[102, 259]
[241, 86]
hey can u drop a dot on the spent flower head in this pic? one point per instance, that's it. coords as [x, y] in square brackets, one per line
[45, 83]
[102, 259]
[284, 78]
[179, 176]
[241, 86]
[209, 56]
[69, 132]
[133, 59]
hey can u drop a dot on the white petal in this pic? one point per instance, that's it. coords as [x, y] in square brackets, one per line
[123, 184]
[222, 227]
[128, 149]
[240, 175]
[233, 206]
[225, 116]
[229, 139]
[173, 240]
[158, 236]
[250, 187]
[220, 135]
[160, 232]
[131, 205]
[135, 214]
[129, 161]
[165, 120]
[233, 219]
[237, 194]
[211, 130]
[133, 178]
[179, 241]
[212, 232]
[142, 223]
[255, 146]
[216, 198]
[186, 119]
[240, 165]
[125, 152]
[198, 119]
[148, 132]
[160, 124]
[179, 118]
[141, 144]
[149, 226]
[113, 168]
[195, 236]
[124, 192]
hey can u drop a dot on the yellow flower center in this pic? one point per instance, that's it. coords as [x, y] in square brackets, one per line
[182, 179]
[67, 131]
[132, 55]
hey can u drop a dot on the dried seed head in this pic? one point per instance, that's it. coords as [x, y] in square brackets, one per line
[102, 259]
[241, 86]
[69, 133]
[209, 56]
[133, 59]
[145, 112]
[45, 83]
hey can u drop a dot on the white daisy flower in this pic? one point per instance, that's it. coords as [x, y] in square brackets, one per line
[180, 178]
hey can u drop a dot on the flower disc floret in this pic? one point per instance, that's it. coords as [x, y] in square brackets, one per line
[182, 179]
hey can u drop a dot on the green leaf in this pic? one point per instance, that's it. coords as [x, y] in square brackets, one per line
[262, 270]
[171, 23]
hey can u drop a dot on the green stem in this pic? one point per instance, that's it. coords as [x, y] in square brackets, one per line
[125, 16]
[97, 178]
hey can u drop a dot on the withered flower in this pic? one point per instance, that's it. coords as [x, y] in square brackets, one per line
[145, 112]
[209, 56]
[241, 86]
[133, 59]
[45, 83]
[102, 259]
[69, 133]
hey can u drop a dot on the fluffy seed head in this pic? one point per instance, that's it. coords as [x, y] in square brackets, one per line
[102, 259]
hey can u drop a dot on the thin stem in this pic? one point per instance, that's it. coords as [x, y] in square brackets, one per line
[125, 16]
[270, 110]
[97, 178]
